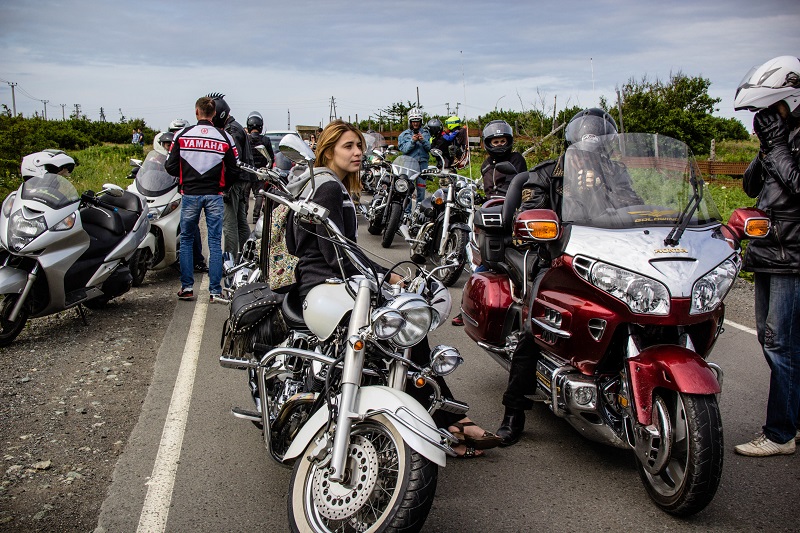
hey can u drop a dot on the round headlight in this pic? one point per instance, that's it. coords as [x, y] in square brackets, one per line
[386, 323]
[401, 185]
[445, 359]
[464, 197]
[418, 317]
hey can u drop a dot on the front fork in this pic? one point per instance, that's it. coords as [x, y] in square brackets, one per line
[24, 294]
[446, 222]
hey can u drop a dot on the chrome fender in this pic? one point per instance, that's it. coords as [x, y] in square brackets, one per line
[12, 280]
[376, 398]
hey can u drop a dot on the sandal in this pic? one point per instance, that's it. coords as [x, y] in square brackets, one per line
[484, 442]
[469, 453]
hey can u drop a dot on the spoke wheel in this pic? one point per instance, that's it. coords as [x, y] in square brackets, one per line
[680, 461]
[455, 253]
[388, 487]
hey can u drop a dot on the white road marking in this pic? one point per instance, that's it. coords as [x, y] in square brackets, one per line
[159, 487]
[741, 327]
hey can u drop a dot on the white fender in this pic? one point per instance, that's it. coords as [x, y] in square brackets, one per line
[149, 242]
[12, 280]
[378, 397]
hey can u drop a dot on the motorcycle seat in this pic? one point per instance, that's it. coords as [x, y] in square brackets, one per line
[130, 208]
[102, 218]
[292, 309]
[101, 239]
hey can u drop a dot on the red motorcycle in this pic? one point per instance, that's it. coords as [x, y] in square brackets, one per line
[626, 308]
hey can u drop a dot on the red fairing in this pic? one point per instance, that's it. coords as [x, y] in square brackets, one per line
[667, 367]
[485, 301]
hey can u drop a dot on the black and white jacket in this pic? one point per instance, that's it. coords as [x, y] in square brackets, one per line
[202, 156]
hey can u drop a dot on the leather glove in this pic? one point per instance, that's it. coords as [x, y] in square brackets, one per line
[770, 128]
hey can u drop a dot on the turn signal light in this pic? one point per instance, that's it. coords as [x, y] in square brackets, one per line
[419, 382]
[756, 227]
[438, 200]
[542, 229]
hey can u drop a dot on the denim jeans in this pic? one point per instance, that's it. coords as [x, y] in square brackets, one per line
[777, 311]
[190, 217]
[235, 225]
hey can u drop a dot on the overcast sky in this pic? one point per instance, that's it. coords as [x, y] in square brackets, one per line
[286, 59]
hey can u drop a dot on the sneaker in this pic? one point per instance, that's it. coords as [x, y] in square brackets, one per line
[186, 294]
[201, 267]
[213, 298]
[458, 320]
[761, 446]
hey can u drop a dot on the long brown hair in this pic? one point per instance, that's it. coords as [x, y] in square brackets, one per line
[324, 152]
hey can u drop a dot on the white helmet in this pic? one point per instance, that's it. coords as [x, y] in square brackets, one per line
[178, 124]
[38, 164]
[777, 79]
[414, 114]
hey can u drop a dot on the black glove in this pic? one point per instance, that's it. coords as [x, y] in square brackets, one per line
[770, 128]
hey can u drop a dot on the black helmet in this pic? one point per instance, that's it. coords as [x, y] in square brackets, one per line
[223, 110]
[592, 122]
[255, 121]
[434, 126]
[495, 129]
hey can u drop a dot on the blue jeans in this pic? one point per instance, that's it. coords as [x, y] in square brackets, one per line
[214, 208]
[777, 311]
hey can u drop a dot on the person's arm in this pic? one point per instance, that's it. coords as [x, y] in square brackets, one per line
[329, 195]
[753, 179]
[404, 142]
[426, 140]
[780, 163]
[173, 163]
[519, 162]
[230, 161]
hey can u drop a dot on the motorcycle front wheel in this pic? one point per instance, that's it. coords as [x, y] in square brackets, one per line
[375, 226]
[455, 252]
[389, 486]
[138, 265]
[392, 224]
[682, 467]
[8, 329]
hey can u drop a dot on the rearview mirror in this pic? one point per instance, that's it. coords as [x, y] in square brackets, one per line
[113, 190]
[506, 168]
[295, 149]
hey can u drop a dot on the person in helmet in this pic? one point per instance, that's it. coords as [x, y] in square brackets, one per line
[772, 90]
[49, 161]
[456, 134]
[177, 125]
[498, 141]
[235, 228]
[255, 125]
[162, 142]
[438, 142]
[416, 142]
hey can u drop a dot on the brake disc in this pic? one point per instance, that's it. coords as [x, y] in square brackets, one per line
[338, 501]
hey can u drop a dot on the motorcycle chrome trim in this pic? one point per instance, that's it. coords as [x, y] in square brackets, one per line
[547, 327]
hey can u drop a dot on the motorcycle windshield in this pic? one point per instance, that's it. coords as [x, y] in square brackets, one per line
[152, 180]
[405, 165]
[374, 141]
[633, 180]
[52, 190]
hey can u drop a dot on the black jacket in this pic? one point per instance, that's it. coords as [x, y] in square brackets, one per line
[202, 156]
[242, 141]
[496, 183]
[259, 161]
[775, 180]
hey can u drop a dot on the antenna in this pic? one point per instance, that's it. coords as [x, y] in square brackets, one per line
[591, 63]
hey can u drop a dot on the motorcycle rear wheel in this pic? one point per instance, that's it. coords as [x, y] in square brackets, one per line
[690, 477]
[138, 265]
[392, 486]
[454, 249]
[392, 224]
[8, 329]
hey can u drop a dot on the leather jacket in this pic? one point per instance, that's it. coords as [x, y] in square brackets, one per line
[775, 179]
[242, 141]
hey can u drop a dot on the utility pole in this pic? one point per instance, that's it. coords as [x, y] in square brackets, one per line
[417, 97]
[555, 101]
[45, 108]
[13, 99]
[457, 105]
[619, 108]
[288, 119]
[332, 114]
[77, 111]
[62, 111]
[448, 108]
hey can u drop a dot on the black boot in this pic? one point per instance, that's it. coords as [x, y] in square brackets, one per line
[511, 428]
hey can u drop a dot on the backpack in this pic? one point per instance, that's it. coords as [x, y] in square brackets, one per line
[280, 263]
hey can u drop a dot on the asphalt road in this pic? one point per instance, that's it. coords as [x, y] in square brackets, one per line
[219, 476]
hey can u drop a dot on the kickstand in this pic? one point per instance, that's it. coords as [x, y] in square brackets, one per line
[83, 315]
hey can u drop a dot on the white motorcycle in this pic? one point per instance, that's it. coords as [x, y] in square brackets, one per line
[59, 250]
[328, 377]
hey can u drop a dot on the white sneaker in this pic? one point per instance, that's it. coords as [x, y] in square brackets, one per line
[761, 446]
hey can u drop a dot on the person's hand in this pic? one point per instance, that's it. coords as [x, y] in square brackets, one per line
[770, 129]
[395, 278]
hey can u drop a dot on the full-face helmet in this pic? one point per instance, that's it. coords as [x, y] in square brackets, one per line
[434, 126]
[47, 161]
[589, 123]
[163, 141]
[178, 124]
[452, 123]
[255, 121]
[498, 129]
[222, 110]
[414, 114]
[776, 80]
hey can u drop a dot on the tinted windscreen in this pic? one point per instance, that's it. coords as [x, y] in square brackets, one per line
[52, 190]
[152, 179]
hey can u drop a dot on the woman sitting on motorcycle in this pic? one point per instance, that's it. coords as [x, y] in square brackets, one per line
[338, 154]
[498, 141]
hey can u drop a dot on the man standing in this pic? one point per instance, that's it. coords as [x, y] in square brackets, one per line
[255, 125]
[416, 142]
[773, 89]
[202, 156]
[235, 225]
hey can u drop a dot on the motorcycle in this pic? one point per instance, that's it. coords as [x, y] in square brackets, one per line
[327, 376]
[60, 250]
[396, 188]
[622, 296]
[376, 152]
[161, 190]
[441, 225]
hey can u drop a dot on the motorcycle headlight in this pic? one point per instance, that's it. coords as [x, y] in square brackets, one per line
[641, 294]
[709, 291]
[418, 316]
[464, 198]
[67, 223]
[8, 203]
[401, 185]
[445, 359]
[22, 231]
[170, 207]
[386, 323]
